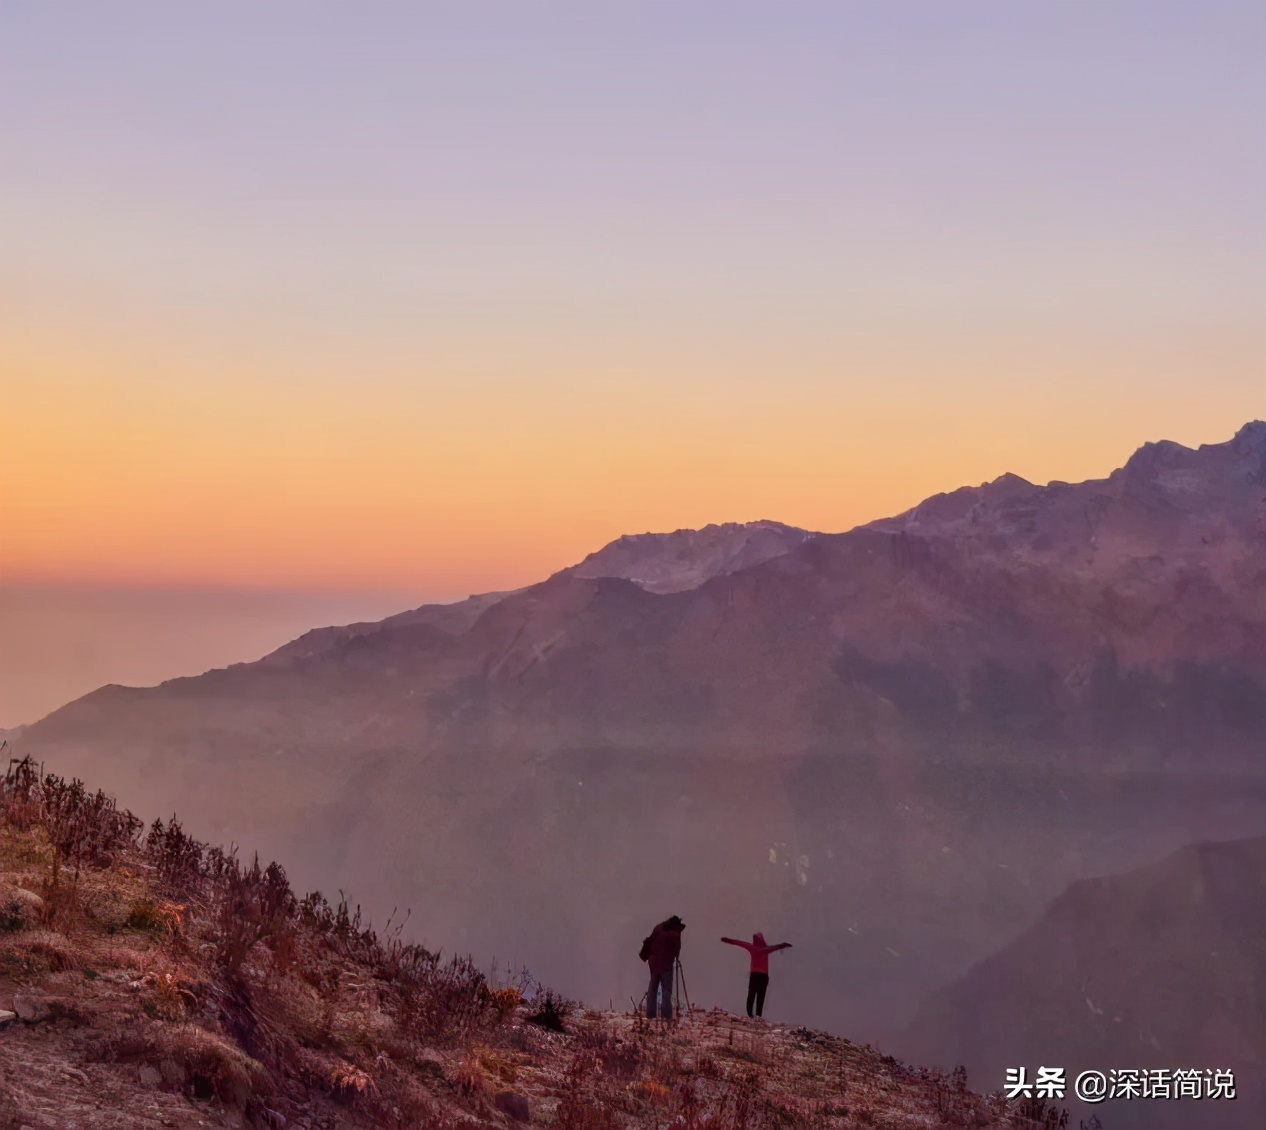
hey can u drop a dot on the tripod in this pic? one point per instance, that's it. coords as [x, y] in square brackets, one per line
[679, 987]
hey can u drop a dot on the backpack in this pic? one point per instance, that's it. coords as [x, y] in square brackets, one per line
[644, 954]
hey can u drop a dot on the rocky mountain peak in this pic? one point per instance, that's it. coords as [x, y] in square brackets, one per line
[686, 558]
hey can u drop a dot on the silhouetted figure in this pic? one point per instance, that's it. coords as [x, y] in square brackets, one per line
[758, 978]
[660, 952]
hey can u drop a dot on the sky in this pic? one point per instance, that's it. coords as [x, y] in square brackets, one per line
[435, 299]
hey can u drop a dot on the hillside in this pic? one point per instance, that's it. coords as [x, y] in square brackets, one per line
[893, 746]
[672, 562]
[146, 980]
[1157, 967]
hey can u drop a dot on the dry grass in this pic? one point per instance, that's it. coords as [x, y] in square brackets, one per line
[182, 976]
[28, 952]
[188, 1055]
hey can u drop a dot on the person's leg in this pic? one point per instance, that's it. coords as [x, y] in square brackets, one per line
[666, 1010]
[650, 996]
[762, 983]
[751, 991]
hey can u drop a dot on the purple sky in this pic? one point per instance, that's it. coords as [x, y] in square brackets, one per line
[436, 299]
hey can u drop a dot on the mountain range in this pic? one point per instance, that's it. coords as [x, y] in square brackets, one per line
[893, 746]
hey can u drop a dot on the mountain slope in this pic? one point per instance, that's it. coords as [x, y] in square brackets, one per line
[671, 562]
[1161, 967]
[243, 1005]
[896, 744]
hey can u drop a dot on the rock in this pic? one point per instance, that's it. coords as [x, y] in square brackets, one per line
[513, 1104]
[30, 1008]
[431, 1064]
[28, 898]
[20, 909]
[150, 1076]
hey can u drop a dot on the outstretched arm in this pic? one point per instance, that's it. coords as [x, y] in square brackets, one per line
[731, 942]
[780, 946]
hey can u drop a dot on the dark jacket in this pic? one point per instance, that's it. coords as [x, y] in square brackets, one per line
[665, 947]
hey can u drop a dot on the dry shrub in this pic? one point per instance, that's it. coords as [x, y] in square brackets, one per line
[1039, 1114]
[284, 945]
[349, 1081]
[170, 998]
[85, 829]
[210, 1065]
[59, 900]
[167, 995]
[178, 859]
[617, 1056]
[651, 1091]
[585, 1103]
[253, 905]
[334, 1074]
[19, 794]
[438, 1001]
[156, 916]
[706, 1067]
[950, 1098]
[550, 1010]
[504, 1001]
[469, 1077]
[496, 1065]
[340, 931]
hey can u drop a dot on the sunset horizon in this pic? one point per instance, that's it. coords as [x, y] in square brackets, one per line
[501, 576]
[546, 473]
[396, 310]
[158, 630]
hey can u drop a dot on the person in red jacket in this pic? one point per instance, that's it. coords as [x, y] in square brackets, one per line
[758, 978]
[660, 952]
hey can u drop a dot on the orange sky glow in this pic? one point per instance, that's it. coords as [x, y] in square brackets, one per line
[131, 465]
[443, 302]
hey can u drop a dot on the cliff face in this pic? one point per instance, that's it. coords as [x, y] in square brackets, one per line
[893, 746]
